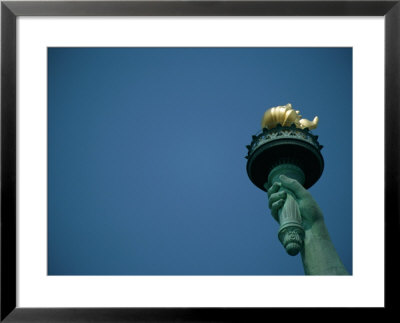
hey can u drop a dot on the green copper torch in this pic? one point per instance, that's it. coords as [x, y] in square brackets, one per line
[286, 147]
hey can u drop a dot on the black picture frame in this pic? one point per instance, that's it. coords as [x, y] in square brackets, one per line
[10, 10]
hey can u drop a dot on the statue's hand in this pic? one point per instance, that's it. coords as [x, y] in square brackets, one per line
[309, 209]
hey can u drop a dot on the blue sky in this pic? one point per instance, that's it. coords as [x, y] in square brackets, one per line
[146, 167]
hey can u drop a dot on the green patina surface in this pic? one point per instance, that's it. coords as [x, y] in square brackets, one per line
[284, 161]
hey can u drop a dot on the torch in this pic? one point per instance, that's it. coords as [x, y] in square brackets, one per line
[286, 147]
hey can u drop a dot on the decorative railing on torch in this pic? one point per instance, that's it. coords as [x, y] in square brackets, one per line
[286, 147]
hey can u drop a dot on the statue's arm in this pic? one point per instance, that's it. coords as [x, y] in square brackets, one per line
[319, 255]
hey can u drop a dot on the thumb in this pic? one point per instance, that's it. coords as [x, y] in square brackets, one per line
[293, 185]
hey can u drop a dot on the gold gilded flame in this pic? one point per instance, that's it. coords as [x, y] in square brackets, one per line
[286, 116]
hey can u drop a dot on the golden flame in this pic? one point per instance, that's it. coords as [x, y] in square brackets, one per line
[286, 116]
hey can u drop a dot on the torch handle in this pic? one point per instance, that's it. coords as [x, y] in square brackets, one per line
[291, 232]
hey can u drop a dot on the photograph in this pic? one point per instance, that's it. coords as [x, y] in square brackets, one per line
[148, 172]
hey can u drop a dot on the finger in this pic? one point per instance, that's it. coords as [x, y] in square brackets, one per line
[298, 190]
[276, 197]
[274, 188]
[276, 206]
